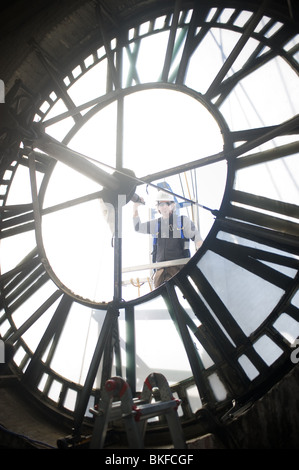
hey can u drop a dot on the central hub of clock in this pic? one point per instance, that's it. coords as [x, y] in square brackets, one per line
[126, 187]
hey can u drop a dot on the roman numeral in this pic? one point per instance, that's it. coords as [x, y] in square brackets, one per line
[35, 316]
[133, 56]
[192, 41]
[254, 260]
[42, 161]
[23, 281]
[16, 219]
[219, 333]
[170, 52]
[255, 19]
[50, 338]
[237, 210]
[19, 218]
[51, 67]
[264, 156]
[255, 61]
[113, 69]
[175, 311]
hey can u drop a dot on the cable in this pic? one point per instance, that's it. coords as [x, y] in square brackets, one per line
[213, 211]
[187, 184]
[22, 436]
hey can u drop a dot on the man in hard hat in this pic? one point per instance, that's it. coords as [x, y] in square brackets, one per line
[171, 234]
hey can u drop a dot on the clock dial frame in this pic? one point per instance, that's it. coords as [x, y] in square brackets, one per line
[253, 241]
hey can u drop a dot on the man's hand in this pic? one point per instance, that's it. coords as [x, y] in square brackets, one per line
[135, 207]
[198, 244]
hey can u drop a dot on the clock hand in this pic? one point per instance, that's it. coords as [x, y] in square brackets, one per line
[138, 181]
[76, 160]
[112, 184]
[120, 182]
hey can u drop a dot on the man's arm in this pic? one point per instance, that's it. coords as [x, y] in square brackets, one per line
[135, 209]
[149, 227]
[190, 231]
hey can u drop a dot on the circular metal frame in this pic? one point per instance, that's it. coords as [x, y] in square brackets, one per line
[226, 365]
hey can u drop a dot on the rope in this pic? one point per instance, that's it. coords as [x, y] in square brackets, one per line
[186, 179]
[137, 284]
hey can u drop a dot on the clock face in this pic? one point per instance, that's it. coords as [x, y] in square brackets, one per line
[183, 100]
[79, 240]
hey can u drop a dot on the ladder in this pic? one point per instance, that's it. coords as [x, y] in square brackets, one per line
[118, 403]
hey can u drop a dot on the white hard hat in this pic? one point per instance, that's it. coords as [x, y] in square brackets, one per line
[163, 196]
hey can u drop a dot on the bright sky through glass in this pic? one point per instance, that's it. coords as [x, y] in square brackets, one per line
[163, 128]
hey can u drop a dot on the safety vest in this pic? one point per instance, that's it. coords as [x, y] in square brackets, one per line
[179, 226]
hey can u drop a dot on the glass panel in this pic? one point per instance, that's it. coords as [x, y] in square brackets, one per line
[248, 105]
[13, 249]
[43, 382]
[34, 333]
[274, 179]
[152, 325]
[55, 390]
[225, 15]
[60, 129]
[19, 355]
[186, 306]
[20, 188]
[249, 298]
[70, 400]
[4, 327]
[27, 308]
[204, 356]
[217, 387]
[165, 128]
[243, 18]
[295, 299]
[267, 349]
[194, 398]
[82, 234]
[151, 57]
[291, 272]
[77, 343]
[219, 44]
[97, 137]
[287, 327]
[250, 370]
[196, 185]
[91, 85]
[205, 301]
[79, 248]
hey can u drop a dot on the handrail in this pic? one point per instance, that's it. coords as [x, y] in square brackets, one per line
[162, 264]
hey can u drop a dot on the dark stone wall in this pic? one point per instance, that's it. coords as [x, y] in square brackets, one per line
[272, 422]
